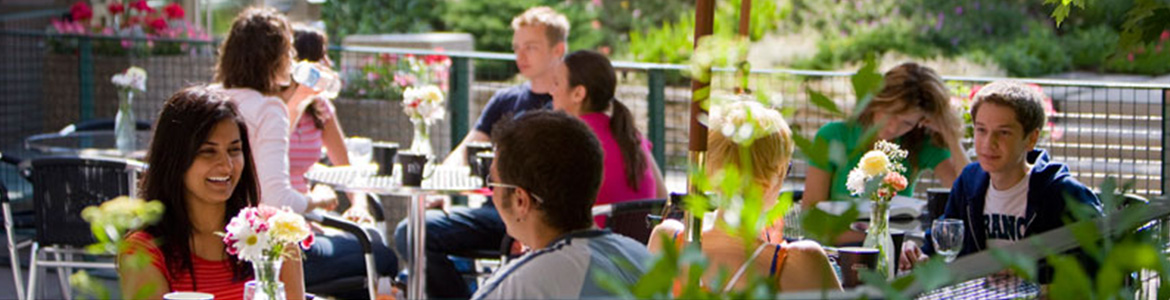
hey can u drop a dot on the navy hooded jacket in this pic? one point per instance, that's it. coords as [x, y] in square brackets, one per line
[1048, 187]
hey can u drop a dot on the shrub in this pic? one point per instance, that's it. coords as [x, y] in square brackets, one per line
[1033, 55]
[1089, 48]
[348, 17]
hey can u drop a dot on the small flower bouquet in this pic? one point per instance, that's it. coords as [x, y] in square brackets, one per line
[259, 235]
[424, 105]
[883, 162]
[878, 176]
[125, 124]
[134, 78]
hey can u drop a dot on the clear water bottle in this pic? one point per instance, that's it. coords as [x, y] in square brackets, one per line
[319, 78]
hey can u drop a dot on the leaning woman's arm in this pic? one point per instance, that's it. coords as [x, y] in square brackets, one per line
[270, 151]
[291, 273]
[816, 187]
[333, 136]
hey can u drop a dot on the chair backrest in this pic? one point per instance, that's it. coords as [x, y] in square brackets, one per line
[63, 186]
[630, 218]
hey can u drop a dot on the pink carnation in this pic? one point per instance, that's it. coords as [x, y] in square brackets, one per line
[307, 242]
[895, 180]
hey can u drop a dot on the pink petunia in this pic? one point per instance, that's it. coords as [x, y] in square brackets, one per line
[141, 6]
[158, 24]
[174, 11]
[80, 11]
[115, 7]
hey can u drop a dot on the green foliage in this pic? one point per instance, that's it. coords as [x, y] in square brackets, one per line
[343, 18]
[109, 223]
[672, 42]
[1019, 36]
[1033, 55]
[1091, 47]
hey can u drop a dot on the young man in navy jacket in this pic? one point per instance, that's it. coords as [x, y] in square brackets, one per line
[1013, 191]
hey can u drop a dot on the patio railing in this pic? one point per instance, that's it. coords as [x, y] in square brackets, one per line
[1100, 128]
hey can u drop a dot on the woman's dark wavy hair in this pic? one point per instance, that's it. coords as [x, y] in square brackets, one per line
[310, 44]
[257, 45]
[183, 125]
[594, 71]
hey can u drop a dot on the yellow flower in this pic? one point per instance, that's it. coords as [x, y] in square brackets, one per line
[874, 162]
[287, 227]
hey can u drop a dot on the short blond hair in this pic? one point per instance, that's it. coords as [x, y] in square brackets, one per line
[556, 25]
[770, 145]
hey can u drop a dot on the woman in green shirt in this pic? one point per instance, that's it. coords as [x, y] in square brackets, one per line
[912, 110]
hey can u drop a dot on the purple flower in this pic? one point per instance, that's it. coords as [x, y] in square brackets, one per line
[637, 13]
[938, 23]
[955, 41]
[959, 10]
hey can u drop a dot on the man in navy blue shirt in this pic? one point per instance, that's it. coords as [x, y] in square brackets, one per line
[539, 41]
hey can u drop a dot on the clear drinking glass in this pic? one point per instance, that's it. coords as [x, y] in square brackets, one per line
[947, 235]
[361, 150]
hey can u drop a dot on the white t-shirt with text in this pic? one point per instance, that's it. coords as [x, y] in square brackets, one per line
[1004, 215]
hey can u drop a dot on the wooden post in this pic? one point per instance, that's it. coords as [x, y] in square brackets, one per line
[697, 154]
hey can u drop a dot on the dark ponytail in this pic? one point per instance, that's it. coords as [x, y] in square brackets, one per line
[629, 141]
[594, 71]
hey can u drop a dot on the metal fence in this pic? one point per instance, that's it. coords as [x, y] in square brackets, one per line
[1100, 128]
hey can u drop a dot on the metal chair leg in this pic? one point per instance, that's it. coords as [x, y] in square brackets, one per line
[62, 277]
[17, 279]
[33, 270]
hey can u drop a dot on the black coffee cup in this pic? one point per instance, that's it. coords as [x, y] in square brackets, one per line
[414, 166]
[384, 154]
[854, 259]
[471, 150]
[936, 201]
[483, 166]
[899, 237]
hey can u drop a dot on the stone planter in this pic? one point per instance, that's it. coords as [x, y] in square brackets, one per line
[167, 74]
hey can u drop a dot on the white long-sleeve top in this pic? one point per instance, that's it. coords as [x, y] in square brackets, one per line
[268, 134]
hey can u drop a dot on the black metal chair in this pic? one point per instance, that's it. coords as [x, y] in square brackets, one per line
[10, 223]
[632, 218]
[348, 287]
[62, 187]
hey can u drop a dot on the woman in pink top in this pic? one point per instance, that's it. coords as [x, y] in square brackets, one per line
[584, 86]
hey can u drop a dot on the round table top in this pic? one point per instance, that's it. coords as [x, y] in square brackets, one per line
[92, 143]
[442, 180]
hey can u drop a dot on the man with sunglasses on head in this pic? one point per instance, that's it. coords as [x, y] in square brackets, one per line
[547, 173]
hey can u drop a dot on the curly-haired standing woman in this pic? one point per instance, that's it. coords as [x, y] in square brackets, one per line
[201, 169]
[255, 62]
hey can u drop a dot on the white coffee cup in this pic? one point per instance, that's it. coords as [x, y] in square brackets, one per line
[188, 296]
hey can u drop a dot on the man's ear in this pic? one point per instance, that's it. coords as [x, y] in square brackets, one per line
[559, 50]
[1033, 138]
[522, 202]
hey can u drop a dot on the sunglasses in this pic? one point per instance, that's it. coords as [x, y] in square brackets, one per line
[494, 185]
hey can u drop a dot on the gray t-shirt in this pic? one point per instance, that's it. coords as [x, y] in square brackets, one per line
[566, 268]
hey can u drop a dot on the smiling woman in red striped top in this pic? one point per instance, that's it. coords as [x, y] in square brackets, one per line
[201, 169]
